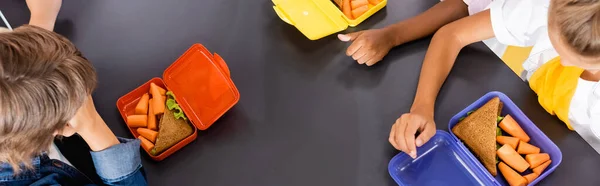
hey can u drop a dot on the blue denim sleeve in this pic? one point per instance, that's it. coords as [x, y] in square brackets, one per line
[120, 164]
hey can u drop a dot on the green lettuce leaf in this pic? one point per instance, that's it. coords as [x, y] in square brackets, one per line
[173, 106]
[468, 113]
[500, 118]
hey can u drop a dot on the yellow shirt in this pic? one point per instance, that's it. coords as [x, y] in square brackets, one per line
[555, 86]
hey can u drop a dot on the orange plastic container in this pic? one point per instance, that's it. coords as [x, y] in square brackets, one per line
[203, 89]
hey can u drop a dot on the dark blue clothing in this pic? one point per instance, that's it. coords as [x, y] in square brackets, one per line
[117, 165]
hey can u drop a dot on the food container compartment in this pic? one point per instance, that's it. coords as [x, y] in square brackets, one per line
[203, 89]
[445, 159]
[126, 105]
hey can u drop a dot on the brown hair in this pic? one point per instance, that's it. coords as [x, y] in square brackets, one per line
[44, 80]
[579, 24]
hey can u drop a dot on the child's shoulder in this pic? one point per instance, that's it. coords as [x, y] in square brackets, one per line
[518, 22]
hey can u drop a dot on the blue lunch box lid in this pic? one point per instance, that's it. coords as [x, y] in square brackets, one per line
[441, 161]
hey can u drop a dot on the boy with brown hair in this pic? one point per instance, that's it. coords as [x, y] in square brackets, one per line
[45, 91]
[45, 88]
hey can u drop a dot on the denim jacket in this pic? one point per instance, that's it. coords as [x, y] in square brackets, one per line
[117, 165]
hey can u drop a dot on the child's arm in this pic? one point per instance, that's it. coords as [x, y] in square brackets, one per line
[441, 55]
[370, 46]
[117, 161]
[43, 12]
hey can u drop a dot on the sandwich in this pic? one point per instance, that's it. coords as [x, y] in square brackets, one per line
[478, 131]
[171, 131]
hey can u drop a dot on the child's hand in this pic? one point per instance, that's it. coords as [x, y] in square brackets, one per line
[86, 117]
[402, 136]
[44, 12]
[369, 46]
[90, 126]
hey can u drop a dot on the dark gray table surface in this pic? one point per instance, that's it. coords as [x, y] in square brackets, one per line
[308, 115]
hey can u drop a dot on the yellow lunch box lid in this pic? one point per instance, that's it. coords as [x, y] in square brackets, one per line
[318, 18]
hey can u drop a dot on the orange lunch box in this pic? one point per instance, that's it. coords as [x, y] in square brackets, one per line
[203, 89]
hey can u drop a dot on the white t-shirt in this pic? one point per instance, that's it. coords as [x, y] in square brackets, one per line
[588, 130]
[54, 153]
[525, 23]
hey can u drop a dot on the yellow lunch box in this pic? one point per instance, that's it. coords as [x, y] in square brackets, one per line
[319, 18]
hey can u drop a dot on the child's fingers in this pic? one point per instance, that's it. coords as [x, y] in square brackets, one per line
[369, 59]
[409, 136]
[361, 53]
[427, 131]
[354, 35]
[364, 59]
[401, 122]
[393, 136]
[355, 46]
[372, 61]
[349, 37]
[344, 37]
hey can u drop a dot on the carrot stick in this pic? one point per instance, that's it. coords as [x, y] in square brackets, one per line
[142, 106]
[358, 3]
[374, 2]
[512, 158]
[513, 178]
[526, 148]
[339, 3]
[537, 159]
[151, 117]
[347, 9]
[359, 11]
[162, 91]
[158, 104]
[513, 142]
[510, 126]
[530, 177]
[135, 121]
[148, 134]
[539, 169]
[146, 144]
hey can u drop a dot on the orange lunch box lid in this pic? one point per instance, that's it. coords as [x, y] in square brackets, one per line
[202, 86]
